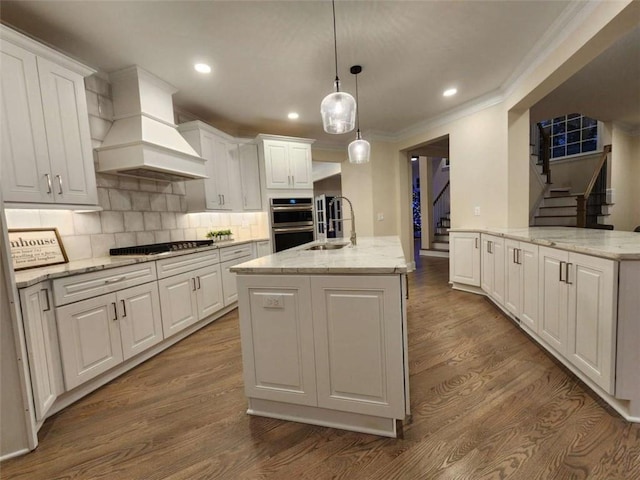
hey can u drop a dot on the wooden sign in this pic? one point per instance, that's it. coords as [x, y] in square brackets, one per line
[36, 247]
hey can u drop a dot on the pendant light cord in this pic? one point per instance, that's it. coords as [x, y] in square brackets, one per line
[335, 44]
[357, 109]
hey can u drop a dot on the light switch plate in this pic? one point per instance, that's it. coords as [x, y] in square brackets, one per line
[273, 301]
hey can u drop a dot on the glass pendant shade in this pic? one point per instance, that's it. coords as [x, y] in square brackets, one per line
[359, 150]
[338, 110]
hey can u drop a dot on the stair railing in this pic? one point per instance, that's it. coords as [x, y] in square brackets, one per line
[441, 206]
[545, 150]
[591, 201]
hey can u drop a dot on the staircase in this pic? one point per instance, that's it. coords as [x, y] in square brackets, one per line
[559, 208]
[441, 235]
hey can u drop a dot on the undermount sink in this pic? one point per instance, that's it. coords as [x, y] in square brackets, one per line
[327, 246]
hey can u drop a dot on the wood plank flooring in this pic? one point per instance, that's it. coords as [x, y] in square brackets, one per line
[487, 404]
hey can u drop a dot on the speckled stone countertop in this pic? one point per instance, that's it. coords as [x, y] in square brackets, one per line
[612, 244]
[26, 278]
[371, 255]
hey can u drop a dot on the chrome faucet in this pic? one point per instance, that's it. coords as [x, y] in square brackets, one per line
[330, 228]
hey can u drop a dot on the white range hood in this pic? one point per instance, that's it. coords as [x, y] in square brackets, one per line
[143, 140]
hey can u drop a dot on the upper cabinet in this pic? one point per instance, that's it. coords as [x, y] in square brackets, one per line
[287, 162]
[46, 144]
[233, 182]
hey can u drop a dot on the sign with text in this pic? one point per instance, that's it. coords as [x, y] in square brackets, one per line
[36, 247]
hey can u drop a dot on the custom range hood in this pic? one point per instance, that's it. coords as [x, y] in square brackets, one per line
[143, 140]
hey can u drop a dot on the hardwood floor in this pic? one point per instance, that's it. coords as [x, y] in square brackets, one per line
[487, 404]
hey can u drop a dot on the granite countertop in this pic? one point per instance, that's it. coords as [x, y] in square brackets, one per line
[26, 278]
[612, 244]
[371, 255]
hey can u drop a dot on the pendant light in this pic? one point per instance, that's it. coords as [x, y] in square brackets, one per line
[338, 109]
[359, 149]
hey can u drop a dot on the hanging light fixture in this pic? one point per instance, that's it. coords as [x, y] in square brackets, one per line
[359, 149]
[338, 109]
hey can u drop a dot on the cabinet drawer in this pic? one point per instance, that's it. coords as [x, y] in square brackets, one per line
[80, 287]
[185, 263]
[238, 251]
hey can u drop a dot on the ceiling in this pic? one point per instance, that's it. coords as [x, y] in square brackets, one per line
[273, 57]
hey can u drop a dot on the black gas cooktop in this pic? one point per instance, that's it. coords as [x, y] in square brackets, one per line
[156, 248]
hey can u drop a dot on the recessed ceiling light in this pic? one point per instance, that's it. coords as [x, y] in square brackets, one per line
[450, 92]
[202, 68]
[293, 116]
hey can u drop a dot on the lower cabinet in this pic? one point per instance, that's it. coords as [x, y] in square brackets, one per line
[333, 342]
[42, 347]
[263, 248]
[493, 267]
[521, 281]
[99, 333]
[189, 297]
[464, 258]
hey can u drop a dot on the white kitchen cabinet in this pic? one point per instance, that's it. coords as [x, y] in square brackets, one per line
[578, 296]
[232, 256]
[189, 297]
[521, 282]
[222, 189]
[358, 344]
[46, 145]
[277, 338]
[464, 260]
[493, 267]
[287, 162]
[42, 347]
[263, 248]
[139, 318]
[250, 177]
[90, 341]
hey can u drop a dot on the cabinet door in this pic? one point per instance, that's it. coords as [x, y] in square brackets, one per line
[263, 248]
[552, 298]
[592, 317]
[25, 158]
[250, 177]
[178, 302]
[276, 162]
[233, 199]
[497, 252]
[488, 265]
[42, 349]
[89, 339]
[300, 166]
[357, 324]
[528, 259]
[69, 141]
[208, 151]
[277, 338]
[513, 278]
[208, 290]
[140, 320]
[229, 287]
[464, 260]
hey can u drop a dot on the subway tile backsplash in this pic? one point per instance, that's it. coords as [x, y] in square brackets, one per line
[135, 211]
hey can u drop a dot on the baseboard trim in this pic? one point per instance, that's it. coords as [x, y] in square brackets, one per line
[17, 453]
[434, 253]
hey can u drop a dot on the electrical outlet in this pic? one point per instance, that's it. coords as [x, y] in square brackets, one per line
[476, 211]
[273, 301]
[380, 216]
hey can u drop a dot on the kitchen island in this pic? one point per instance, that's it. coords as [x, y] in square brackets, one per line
[324, 334]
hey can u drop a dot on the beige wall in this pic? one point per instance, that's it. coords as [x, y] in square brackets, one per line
[574, 173]
[625, 180]
[330, 186]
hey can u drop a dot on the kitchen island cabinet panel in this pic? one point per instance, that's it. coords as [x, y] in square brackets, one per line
[358, 342]
[277, 338]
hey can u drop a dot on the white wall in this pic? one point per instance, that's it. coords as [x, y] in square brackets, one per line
[625, 180]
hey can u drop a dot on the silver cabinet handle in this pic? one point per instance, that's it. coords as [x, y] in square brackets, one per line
[223, 199]
[566, 274]
[293, 179]
[115, 311]
[115, 279]
[476, 241]
[124, 309]
[519, 262]
[46, 295]
[514, 256]
[59, 177]
[50, 188]
[194, 284]
[560, 271]
[490, 246]
[199, 286]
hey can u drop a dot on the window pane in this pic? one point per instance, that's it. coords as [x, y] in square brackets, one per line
[559, 119]
[588, 122]
[574, 115]
[589, 145]
[558, 152]
[573, 149]
[590, 133]
[559, 140]
[559, 128]
[544, 123]
[573, 124]
[573, 137]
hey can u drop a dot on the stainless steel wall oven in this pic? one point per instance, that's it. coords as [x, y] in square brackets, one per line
[291, 222]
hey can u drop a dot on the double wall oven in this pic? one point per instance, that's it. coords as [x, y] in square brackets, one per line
[291, 222]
